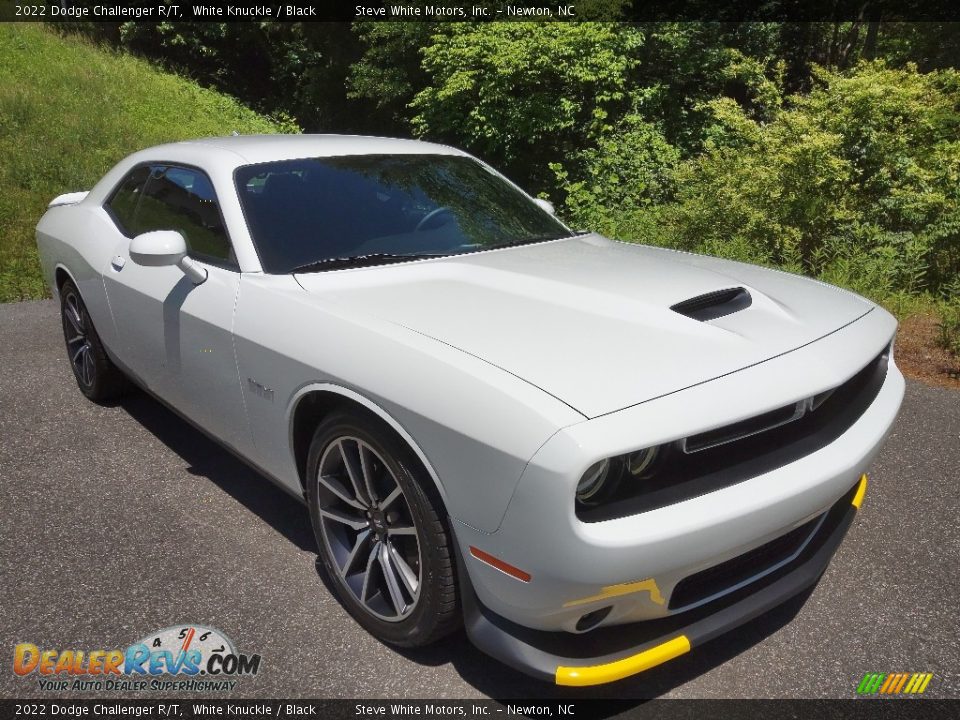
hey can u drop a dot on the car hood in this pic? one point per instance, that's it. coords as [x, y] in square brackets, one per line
[589, 320]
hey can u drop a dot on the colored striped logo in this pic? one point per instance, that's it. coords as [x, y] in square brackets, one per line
[894, 683]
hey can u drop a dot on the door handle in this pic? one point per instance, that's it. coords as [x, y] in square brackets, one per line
[117, 262]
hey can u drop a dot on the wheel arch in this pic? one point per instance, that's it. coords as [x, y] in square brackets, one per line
[61, 275]
[312, 403]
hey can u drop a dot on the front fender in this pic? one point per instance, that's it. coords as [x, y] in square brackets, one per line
[474, 425]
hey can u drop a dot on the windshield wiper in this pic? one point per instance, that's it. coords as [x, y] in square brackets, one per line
[350, 261]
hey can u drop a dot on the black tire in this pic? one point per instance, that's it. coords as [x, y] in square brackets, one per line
[97, 377]
[390, 464]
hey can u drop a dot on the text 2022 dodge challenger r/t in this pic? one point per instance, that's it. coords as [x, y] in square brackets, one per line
[595, 455]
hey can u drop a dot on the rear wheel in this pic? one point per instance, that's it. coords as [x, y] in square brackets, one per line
[98, 378]
[383, 542]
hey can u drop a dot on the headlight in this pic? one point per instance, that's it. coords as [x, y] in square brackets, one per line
[596, 479]
[603, 478]
[642, 464]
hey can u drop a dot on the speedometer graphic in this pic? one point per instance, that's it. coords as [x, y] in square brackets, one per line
[183, 638]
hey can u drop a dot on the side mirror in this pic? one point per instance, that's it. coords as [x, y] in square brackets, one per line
[158, 248]
[161, 248]
[545, 205]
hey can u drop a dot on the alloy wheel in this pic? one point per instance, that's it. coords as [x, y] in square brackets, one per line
[368, 529]
[76, 334]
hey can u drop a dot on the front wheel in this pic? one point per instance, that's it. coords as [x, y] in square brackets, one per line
[98, 378]
[383, 543]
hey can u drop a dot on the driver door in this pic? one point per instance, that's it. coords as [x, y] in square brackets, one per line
[174, 336]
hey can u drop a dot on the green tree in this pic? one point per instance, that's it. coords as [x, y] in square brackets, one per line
[683, 65]
[619, 180]
[389, 73]
[526, 94]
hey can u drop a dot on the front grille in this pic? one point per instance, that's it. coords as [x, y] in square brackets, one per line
[686, 475]
[754, 564]
[743, 429]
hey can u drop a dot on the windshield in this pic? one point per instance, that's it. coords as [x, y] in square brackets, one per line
[316, 213]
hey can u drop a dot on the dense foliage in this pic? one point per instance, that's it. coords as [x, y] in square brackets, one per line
[526, 94]
[824, 148]
[856, 182]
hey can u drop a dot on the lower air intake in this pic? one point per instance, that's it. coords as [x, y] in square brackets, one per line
[720, 578]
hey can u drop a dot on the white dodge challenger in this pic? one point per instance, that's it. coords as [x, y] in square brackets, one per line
[594, 455]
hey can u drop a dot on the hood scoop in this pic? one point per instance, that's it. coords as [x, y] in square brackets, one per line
[713, 305]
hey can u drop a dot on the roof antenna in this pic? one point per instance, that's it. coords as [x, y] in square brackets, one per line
[235, 134]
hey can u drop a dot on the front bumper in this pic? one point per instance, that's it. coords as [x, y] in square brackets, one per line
[641, 566]
[613, 653]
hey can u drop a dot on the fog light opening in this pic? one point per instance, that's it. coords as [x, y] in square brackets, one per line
[594, 618]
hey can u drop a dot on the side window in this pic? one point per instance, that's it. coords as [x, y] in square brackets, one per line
[165, 197]
[178, 198]
[125, 199]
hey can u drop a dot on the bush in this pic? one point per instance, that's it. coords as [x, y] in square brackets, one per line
[628, 171]
[858, 183]
[950, 319]
[950, 328]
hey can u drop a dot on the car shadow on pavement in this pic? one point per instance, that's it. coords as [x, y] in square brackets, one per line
[212, 461]
[288, 517]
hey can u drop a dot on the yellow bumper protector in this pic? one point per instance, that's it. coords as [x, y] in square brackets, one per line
[861, 491]
[619, 669]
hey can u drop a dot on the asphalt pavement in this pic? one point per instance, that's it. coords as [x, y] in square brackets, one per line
[120, 520]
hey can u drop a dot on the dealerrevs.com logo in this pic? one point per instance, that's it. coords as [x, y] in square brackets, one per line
[183, 657]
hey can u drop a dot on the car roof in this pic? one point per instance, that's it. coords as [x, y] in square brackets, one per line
[249, 149]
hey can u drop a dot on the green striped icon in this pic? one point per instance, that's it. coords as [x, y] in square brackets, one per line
[894, 683]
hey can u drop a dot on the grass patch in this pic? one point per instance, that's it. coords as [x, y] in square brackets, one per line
[69, 111]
